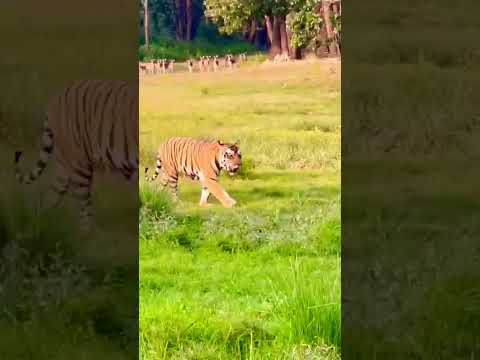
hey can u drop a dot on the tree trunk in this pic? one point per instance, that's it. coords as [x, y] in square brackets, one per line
[268, 26]
[332, 48]
[284, 41]
[276, 47]
[145, 22]
[180, 23]
[189, 19]
[253, 31]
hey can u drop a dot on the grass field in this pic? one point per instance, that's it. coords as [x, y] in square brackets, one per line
[262, 280]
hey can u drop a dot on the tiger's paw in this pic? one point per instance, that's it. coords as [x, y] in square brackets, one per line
[230, 204]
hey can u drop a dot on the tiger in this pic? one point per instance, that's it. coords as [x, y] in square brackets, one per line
[201, 160]
[89, 123]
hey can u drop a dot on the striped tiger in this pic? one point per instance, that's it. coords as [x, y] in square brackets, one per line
[90, 123]
[200, 160]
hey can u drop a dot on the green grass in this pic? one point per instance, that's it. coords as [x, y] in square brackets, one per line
[262, 280]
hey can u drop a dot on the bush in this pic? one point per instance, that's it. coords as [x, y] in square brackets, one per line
[183, 51]
[247, 168]
[326, 237]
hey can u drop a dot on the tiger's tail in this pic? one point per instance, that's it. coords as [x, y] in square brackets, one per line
[45, 154]
[158, 168]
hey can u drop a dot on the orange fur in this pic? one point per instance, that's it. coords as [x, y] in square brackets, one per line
[200, 160]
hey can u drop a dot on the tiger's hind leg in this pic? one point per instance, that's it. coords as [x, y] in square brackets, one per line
[81, 183]
[57, 190]
[172, 182]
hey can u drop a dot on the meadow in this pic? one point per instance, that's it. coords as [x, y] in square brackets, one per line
[261, 280]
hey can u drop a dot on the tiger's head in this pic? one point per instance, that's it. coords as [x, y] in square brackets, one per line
[230, 158]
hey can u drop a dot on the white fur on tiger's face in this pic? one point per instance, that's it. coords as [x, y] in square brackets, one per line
[232, 159]
[90, 122]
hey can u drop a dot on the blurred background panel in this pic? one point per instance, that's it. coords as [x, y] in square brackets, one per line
[65, 293]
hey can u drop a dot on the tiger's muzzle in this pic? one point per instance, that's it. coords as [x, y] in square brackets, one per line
[233, 169]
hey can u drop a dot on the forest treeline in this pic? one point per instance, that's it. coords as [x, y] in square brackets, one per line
[292, 27]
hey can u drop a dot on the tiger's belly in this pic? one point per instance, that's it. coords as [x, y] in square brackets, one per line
[192, 174]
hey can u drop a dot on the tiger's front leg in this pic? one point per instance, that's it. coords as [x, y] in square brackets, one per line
[204, 197]
[222, 196]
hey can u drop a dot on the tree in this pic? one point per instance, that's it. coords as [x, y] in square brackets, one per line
[146, 22]
[170, 18]
[316, 25]
[187, 18]
[236, 15]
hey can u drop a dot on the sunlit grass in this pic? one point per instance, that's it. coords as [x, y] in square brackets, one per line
[262, 280]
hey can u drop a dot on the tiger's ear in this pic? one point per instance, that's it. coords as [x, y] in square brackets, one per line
[220, 142]
[237, 143]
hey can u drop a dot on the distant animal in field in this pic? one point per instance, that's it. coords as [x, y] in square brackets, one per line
[156, 66]
[147, 67]
[170, 65]
[201, 64]
[163, 66]
[281, 58]
[207, 63]
[91, 122]
[216, 63]
[230, 60]
[222, 62]
[190, 65]
[242, 57]
[142, 67]
[200, 160]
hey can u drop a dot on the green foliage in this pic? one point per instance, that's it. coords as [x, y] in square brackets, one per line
[326, 237]
[182, 51]
[162, 19]
[304, 22]
[233, 16]
[311, 303]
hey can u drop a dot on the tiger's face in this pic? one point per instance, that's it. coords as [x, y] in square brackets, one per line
[231, 158]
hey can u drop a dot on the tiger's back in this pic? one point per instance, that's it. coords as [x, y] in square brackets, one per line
[95, 122]
[187, 156]
[89, 123]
